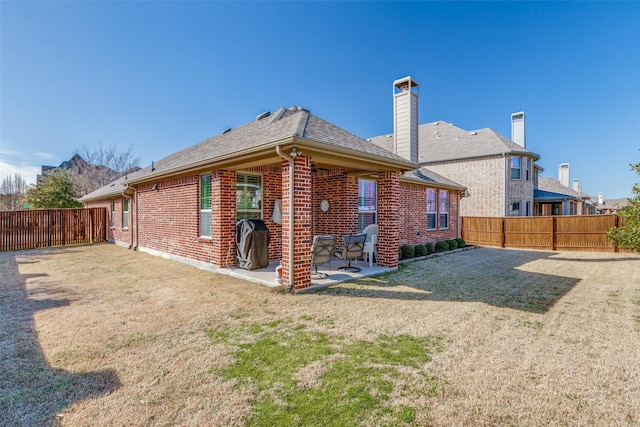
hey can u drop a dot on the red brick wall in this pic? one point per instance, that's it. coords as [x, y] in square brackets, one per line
[169, 219]
[342, 193]
[413, 216]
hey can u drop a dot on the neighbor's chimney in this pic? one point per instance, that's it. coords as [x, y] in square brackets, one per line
[405, 118]
[576, 185]
[517, 129]
[563, 174]
[600, 199]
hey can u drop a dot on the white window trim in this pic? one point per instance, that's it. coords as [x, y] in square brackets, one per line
[260, 211]
[446, 213]
[125, 214]
[375, 210]
[511, 168]
[434, 212]
[201, 211]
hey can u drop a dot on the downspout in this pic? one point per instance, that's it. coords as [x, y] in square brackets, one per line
[135, 201]
[291, 199]
[506, 171]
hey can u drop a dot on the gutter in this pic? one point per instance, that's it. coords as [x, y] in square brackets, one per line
[291, 210]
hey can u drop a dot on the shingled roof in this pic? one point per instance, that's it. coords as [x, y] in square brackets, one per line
[441, 141]
[268, 131]
[555, 186]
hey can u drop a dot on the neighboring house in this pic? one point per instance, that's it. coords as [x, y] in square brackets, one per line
[282, 168]
[498, 173]
[88, 176]
[554, 197]
[611, 206]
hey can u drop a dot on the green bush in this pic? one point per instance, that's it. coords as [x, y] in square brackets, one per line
[461, 242]
[407, 251]
[420, 250]
[453, 244]
[442, 246]
[431, 248]
[400, 253]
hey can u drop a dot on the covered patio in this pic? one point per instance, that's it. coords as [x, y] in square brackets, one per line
[267, 276]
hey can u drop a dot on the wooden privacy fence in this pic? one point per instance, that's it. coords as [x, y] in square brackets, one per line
[51, 227]
[575, 232]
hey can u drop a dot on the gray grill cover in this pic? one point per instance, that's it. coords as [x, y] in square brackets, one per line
[252, 244]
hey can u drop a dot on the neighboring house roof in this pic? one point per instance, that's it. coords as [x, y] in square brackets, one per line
[441, 141]
[424, 175]
[550, 196]
[555, 186]
[287, 125]
[614, 204]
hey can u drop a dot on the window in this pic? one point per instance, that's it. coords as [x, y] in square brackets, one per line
[205, 205]
[248, 196]
[515, 167]
[367, 203]
[443, 202]
[431, 209]
[113, 212]
[125, 213]
[514, 209]
[527, 169]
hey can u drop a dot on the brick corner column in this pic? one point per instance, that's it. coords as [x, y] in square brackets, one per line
[302, 220]
[388, 218]
[223, 217]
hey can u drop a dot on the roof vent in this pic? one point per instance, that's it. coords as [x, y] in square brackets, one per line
[227, 130]
[436, 123]
[473, 133]
[390, 136]
[263, 115]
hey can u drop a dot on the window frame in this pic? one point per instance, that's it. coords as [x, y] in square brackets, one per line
[434, 209]
[444, 214]
[527, 169]
[511, 210]
[249, 213]
[205, 215]
[365, 210]
[125, 212]
[515, 171]
[113, 213]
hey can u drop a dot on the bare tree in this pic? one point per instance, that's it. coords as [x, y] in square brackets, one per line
[12, 192]
[105, 164]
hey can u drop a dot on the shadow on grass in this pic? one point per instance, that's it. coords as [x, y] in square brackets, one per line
[32, 392]
[486, 275]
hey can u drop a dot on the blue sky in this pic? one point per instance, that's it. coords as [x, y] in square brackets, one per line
[162, 76]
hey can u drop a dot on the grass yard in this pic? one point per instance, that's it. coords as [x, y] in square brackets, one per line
[99, 335]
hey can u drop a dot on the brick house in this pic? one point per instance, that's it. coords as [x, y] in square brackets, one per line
[185, 206]
[498, 173]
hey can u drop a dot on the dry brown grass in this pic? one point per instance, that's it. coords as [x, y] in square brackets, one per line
[98, 335]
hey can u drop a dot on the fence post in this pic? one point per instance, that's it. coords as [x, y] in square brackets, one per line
[553, 233]
[616, 223]
[503, 232]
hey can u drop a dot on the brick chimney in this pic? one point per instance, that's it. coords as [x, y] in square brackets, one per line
[405, 118]
[517, 129]
[563, 174]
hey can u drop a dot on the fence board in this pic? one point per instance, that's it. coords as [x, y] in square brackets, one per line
[575, 232]
[33, 229]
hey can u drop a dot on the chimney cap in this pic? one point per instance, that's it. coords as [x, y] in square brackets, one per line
[405, 83]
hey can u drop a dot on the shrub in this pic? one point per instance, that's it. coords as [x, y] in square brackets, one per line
[431, 248]
[407, 251]
[442, 246]
[453, 244]
[420, 250]
[400, 253]
[461, 242]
